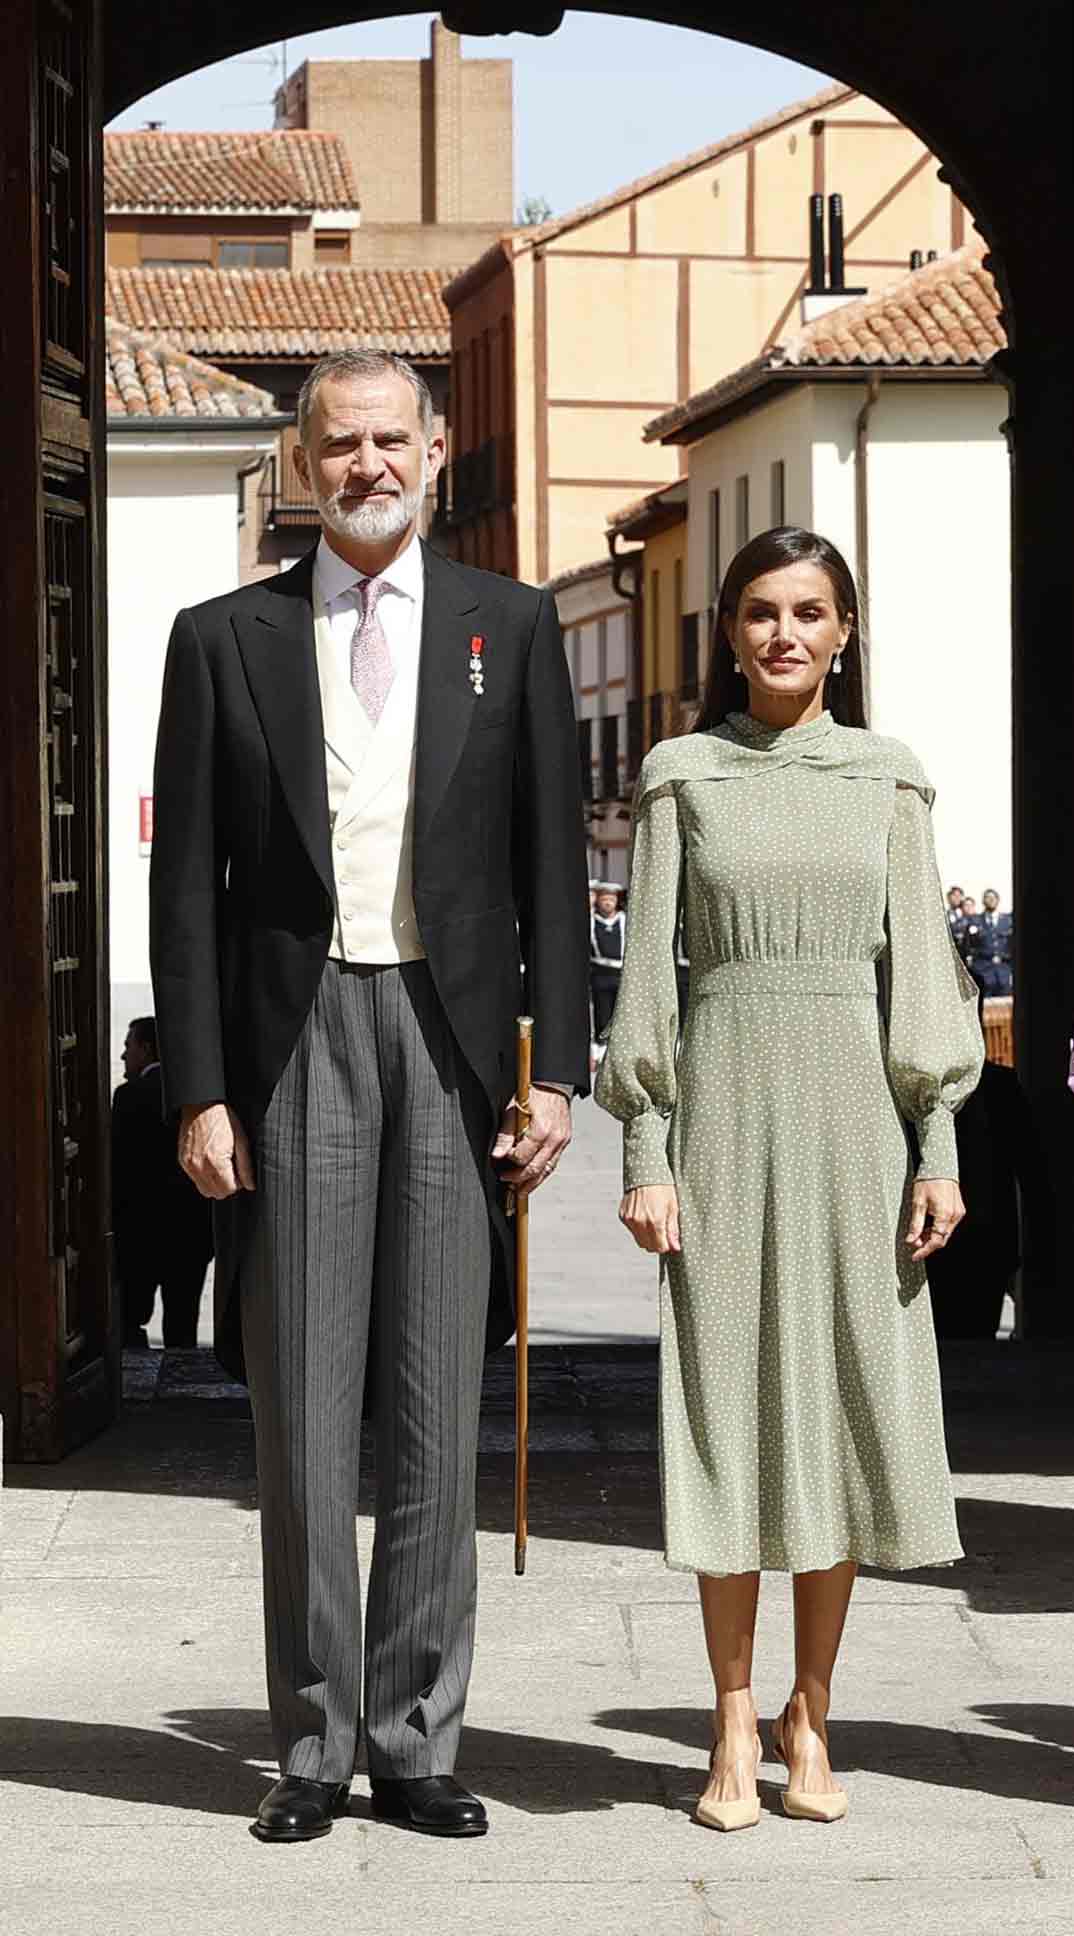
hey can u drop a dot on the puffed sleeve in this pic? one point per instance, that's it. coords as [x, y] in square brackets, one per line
[636, 1080]
[935, 1046]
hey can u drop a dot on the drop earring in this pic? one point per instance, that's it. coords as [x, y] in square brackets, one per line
[738, 667]
[837, 664]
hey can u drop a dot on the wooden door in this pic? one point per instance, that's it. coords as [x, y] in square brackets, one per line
[59, 1354]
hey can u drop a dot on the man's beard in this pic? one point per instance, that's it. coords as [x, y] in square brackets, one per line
[377, 519]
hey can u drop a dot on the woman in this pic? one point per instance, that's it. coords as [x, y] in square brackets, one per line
[769, 1161]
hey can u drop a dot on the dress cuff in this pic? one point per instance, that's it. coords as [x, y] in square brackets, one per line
[645, 1155]
[936, 1141]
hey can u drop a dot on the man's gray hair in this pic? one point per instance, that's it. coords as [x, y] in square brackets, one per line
[341, 364]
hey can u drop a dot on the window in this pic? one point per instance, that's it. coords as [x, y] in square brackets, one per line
[176, 262]
[585, 757]
[688, 689]
[779, 492]
[252, 255]
[714, 546]
[609, 758]
[332, 245]
[742, 512]
[654, 623]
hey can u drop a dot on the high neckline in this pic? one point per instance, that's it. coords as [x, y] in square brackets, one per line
[754, 732]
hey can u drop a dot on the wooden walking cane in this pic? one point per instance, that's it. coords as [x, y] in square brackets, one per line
[520, 1209]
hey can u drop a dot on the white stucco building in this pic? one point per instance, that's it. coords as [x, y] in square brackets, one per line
[185, 444]
[880, 425]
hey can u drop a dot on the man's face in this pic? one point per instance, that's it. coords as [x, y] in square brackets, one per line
[954, 898]
[365, 459]
[607, 905]
[991, 901]
[134, 1058]
[969, 905]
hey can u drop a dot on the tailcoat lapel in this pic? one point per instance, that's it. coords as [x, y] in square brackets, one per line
[277, 648]
[446, 698]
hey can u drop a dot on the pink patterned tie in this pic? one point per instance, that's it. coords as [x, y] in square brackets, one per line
[372, 671]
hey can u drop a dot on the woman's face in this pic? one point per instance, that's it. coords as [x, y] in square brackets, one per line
[787, 630]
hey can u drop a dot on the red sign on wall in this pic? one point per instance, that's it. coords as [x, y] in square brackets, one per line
[145, 823]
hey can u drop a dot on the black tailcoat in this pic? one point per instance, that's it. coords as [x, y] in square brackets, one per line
[241, 882]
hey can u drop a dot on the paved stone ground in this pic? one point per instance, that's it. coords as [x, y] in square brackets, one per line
[135, 1744]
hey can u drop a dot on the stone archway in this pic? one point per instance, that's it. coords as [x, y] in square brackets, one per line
[982, 88]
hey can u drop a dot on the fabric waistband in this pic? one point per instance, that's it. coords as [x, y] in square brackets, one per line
[846, 978]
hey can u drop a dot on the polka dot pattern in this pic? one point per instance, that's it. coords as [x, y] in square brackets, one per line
[801, 1420]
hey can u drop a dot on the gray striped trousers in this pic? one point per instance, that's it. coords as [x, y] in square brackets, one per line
[371, 1234]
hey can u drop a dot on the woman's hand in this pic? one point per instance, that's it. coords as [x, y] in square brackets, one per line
[939, 1202]
[651, 1215]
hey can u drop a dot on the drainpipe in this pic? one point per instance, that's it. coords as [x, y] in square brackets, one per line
[861, 522]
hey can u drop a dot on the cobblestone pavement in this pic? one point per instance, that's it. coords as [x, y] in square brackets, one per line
[135, 1744]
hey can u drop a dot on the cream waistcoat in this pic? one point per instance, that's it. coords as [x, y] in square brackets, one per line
[370, 771]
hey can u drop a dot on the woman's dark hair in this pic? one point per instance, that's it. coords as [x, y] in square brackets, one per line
[726, 690]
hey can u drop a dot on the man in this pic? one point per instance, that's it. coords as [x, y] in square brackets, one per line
[161, 1226]
[966, 930]
[954, 906]
[607, 931]
[1003, 1172]
[368, 817]
[992, 958]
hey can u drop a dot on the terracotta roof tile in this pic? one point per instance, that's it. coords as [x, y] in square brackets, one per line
[147, 378]
[284, 168]
[286, 312]
[945, 315]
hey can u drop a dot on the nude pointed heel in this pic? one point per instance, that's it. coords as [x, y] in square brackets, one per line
[730, 1815]
[799, 1803]
[804, 1807]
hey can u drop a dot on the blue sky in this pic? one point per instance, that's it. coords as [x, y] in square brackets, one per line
[596, 104]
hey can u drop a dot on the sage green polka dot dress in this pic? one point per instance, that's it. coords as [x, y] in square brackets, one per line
[801, 1420]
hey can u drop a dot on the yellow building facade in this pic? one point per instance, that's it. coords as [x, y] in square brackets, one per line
[568, 338]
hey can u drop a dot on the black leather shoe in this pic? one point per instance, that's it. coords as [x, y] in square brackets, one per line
[434, 1804]
[297, 1810]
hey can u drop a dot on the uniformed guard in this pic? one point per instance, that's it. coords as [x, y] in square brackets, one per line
[966, 930]
[992, 956]
[607, 932]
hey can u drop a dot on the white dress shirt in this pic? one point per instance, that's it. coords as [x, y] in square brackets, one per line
[370, 767]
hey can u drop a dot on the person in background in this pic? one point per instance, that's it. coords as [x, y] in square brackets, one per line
[162, 1228]
[1002, 1168]
[990, 962]
[967, 928]
[954, 906]
[607, 930]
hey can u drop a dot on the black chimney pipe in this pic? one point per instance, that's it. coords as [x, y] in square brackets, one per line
[916, 258]
[933, 255]
[816, 246]
[837, 278]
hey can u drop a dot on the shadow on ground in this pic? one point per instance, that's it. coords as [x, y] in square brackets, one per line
[204, 1761]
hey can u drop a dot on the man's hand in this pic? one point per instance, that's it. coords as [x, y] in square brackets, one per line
[532, 1157]
[214, 1152]
[651, 1214]
[940, 1202]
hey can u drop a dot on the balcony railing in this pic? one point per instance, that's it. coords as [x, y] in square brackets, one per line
[477, 482]
[286, 503]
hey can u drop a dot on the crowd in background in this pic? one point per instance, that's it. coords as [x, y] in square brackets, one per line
[984, 938]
